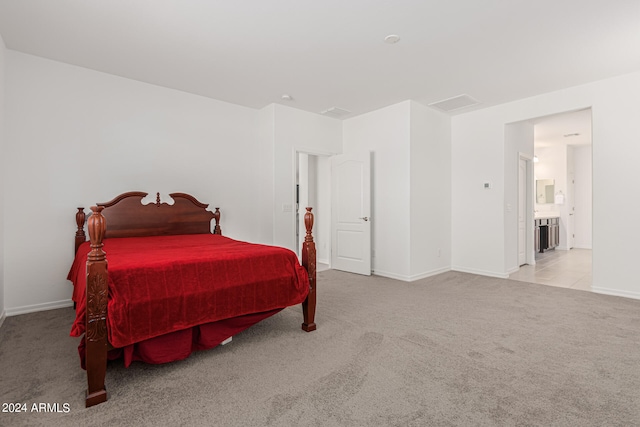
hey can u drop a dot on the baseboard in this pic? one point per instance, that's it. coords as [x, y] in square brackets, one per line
[390, 275]
[411, 278]
[322, 266]
[39, 307]
[616, 292]
[2, 317]
[428, 274]
[480, 272]
[512, 270]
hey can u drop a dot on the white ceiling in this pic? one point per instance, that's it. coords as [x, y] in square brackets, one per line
[573, 128]
[331, 53]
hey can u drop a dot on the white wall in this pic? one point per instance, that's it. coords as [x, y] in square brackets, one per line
[478, 235]
[2, 178]
[306, 132]
[411, 190]
[74, 137]
[583, 197]
[65, 120]
[477, 214]
[266, 149]
[386, 133]
[430, 183]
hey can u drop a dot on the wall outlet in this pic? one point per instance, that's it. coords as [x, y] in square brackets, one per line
[287, 207]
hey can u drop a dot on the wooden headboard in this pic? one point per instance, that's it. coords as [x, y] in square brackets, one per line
[126, 216]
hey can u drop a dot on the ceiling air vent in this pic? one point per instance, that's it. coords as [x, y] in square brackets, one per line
[455, 103]
[335, 112]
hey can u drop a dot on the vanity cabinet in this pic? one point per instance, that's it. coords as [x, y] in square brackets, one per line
[547, 233]
[554, 232]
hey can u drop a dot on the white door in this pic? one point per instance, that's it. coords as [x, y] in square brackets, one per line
[522, 212]
[351, 213]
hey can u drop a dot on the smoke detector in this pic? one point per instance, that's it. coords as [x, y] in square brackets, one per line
[392, 39]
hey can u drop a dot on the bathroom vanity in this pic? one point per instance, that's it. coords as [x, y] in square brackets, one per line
[547, 231]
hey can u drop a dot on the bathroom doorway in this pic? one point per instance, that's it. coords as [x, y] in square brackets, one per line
[563, 161]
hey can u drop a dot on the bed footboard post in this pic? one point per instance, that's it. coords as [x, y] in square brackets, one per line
[96, 317]
[309, 262]
[80, 236]
[216, 216]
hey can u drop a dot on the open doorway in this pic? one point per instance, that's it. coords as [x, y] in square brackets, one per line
[562, 170]
[313, 188]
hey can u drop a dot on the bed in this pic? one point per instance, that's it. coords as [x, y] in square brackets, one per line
[173, 286]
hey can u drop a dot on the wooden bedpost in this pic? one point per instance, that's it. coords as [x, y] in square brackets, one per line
[80, 236]
[96, 317]
[309, 262]
[216, 216]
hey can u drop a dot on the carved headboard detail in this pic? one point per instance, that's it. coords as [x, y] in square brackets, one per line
[126, 216]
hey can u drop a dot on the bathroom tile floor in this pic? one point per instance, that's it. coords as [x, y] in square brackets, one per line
[566, 269]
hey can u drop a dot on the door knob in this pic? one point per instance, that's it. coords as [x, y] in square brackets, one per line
[366, 218]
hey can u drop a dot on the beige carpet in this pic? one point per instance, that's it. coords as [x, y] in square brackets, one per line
[454, 349]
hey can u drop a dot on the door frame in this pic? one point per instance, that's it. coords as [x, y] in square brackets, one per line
[571, 205]
[530, 255]
[318, 238]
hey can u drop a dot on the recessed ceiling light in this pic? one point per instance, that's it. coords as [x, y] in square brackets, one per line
[286, 97]
[392, 39]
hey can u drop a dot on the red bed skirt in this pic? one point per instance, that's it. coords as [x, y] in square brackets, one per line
[180, 344]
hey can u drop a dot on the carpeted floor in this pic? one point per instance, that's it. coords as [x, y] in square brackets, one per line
[451, 350]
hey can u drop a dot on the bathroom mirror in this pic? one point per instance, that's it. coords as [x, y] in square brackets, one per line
[545, 191]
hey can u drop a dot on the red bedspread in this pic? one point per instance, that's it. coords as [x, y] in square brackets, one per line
[163, 284]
